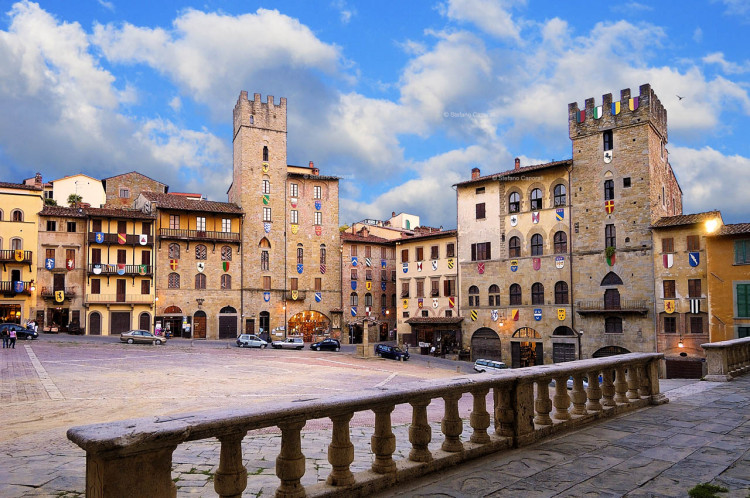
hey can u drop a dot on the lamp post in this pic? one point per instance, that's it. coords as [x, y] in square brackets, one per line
[580, 335]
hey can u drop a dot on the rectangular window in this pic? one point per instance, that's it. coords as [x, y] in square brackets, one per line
[449, 287]
[71, 228]
[293, 283]
[70, 254]
[383, 275]
[124, 193]
[393, 275]
[425, 313]
[435, 287]
[266, 187]
[226, 225]
[145, 257]
[354, 250]
[404, 289]
[267, 283]
[121, 257]
[450, 250]
[96, 225]
[694, 287]
[200, 223]
[448, 313]
[420, 288]
[667, 244]
[96, 256]
[264, 261]
[293, 190]
[404, 255]
[354, 274]
[318, 218]
[479, 190]
[51, 226]
[693, 243]
[480, 211]
[122, 227]
[96, 286]
[626, 182]
[49, 254]
[405, 314]
[368, 251]
[696, 325]
[174, 221]
[743, 300]
[318, 284]
[383, 253]
[670, 324]
[434, 252]
[669, 290]
[481, 251]
[420, 253]
[610, 236]
[743, 332]
[607, 140]
[266, 214]
[146, 228]
[316, 192]
[145, 286]
[741, 252]
[368, 274]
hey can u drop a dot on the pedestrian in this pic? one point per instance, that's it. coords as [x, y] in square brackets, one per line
[12, 333]
[6, 337]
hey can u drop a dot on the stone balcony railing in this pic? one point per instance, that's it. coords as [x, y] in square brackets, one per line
[522, 412]
[727, 359]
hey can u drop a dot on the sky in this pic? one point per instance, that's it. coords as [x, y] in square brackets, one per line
[399, 99]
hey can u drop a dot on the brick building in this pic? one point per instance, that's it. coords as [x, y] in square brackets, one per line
[122, 190]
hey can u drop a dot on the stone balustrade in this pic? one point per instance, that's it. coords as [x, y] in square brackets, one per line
[522, 412]
[727, 359]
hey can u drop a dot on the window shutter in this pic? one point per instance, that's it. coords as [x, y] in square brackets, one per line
[489, 251]
[473, 252]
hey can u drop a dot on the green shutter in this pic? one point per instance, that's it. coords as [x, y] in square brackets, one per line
[743, 300]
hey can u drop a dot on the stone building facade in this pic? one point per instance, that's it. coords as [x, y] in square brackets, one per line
[292, 277]
[122, 190]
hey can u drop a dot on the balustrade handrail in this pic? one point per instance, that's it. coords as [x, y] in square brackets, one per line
[109, 445]
[9, 255]
[198, 234]
[727, 359]
[111, 269]
[50, 291]
[600, 304]
[113, 298]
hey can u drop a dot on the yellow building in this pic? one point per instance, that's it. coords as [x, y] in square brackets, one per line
[120, 257]
[729, 282]
[19, 208]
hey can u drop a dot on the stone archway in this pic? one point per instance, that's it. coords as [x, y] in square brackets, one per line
[309, 324]
[485, 344]
[609, 351]
[526, 348]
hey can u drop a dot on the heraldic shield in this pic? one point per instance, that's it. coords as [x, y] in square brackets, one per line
[561, 314]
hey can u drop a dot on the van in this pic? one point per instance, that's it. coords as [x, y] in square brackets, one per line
[489, 366]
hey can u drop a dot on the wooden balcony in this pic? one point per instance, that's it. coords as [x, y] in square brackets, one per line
[49, 292]
[601, 307]
[9, 256]
[180, 234]
[112, 238]
[130, 270]
[9, 287]
[119, 299]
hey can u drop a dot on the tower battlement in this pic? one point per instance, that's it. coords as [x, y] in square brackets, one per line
[259, 114]
[628, 110]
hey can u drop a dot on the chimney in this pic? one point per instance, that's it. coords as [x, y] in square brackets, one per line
[315, 171]
[393, 214]
[518, 163]
[474, 173]
[38, 179]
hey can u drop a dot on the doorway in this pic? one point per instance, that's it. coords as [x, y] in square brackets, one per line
[95, 323]
[199, 324]
[120, 322]
[144, 321]
[485, 344]
[525, 349]
[227, 323]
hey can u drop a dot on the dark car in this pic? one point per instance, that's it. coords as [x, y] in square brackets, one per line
[21, 332]
[393, 352]
[326, 344]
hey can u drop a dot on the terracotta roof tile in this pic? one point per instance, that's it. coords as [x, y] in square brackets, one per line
[118, 213]
[734, 229]
[67, 212]
[169, 201]
[514, 172]
[685, 219]
[355, 237]
[20, 186]
[422, 236]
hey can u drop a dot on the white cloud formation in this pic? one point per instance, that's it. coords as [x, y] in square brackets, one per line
[725, 65]
[345, 11]
[491, 16]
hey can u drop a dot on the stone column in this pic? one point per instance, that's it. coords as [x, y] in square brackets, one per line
[112, 474]
[341, 452]
[718, 364]
[621, 385]
[652, 370]
[290, 464]
[643, 388]
[633, 382]
[231, 478]
[542, 405]
[608, 388]
[578, 396]
[383, 441]
[452, 425]
[504, 413]
[479, 418]
[561, 400]
[594, 392]
[523, 413]
[420, 433]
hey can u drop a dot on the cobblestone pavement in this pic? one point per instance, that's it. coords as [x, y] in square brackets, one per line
[702, 435]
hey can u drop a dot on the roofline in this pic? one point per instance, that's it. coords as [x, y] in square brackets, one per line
[522, 169]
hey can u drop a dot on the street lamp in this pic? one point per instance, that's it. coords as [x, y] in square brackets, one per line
[580, 335]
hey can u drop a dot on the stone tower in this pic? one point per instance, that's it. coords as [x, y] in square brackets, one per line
[258, 187]
[621, 182]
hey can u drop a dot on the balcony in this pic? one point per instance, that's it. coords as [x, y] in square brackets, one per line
[9, 256]
[9, 287]
[175, 233]
[130, 270]
[601, 307]
[113, 238]
[300, 296]
[49, 292]
[119, 299]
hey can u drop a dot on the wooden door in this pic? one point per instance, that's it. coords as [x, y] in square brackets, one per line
[539, 354]
[515, 354]
[227, 327]
[485, 345]
[59, 282]
[250, 326]
[120, 290]
[95, 324]
[199, 325]
[120, 322]
[144, 322]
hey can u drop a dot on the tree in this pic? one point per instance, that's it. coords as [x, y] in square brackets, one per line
[74, 200]
[50, 202]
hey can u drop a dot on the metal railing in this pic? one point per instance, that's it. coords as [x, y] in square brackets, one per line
[522, 410]
[50, 291]
[114, 238]
[9, 256]
[119, 298]
[109, 269]
[178, 233]
[9, 287]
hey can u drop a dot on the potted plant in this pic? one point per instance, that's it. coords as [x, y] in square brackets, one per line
[610, 254]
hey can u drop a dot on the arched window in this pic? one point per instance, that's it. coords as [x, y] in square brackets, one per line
[144, 321]
[536, 199]
[227, 309]
[300, 254]
[514, 247]
[16, 244]
[537, 245]
[515, 294]
[226, 253]
[266, 187]
[514, 202]
[473, 295]
[265, 153]
[611, 278]
[200, 251]
[264, 243]
[383, 300]
[200, 281]
[494, 293]
[173, 281]
[561, 242]
[560, 195]
[368, 299]
[16, 215]
[613, 325]
[353, 299]
[609, 190]
[226, 281]
[322, 254]
[537, 293]
[174, 251]
[607, 141]
[561, 293]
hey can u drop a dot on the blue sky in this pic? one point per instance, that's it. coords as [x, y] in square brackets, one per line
[400, 99]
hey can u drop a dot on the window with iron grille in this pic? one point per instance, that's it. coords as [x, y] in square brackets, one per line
[201, 252]
[200, 281]
[494, 295]
[537, 245]
[561, 293]
[173, 281]
[515, 295]
[561, 242]
[226, 253]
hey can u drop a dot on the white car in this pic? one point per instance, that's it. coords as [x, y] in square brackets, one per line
[250, 341]
[289, 343]
[489, 366]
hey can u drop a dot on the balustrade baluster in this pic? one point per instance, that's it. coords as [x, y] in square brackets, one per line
[290, 464]
[578, 396]
[561, 400]
[230, 479]
[420, 433]
[542, 404]
[341, 452]
[383, 441]
[633, 382]
[480, 418]
[621, 385]
[644, 389]
[504, 416]
[594, 392]
[608, 388]
[745, 353]
[452, 425]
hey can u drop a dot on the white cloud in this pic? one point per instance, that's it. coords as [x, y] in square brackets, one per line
[107, 5]
[175, 104]
[726, 66]
[736, 7]
[491, 16]
[345, 12]
[698, 35]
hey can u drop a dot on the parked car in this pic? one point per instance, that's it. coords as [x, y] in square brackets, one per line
[570, 382]
[326, 344]
[141, 336]
[250, 341]
[489, 366]
[393, 352]
[21, 331]
[289, 343]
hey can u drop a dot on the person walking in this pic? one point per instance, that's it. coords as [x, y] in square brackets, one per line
[6, 337]
[12, 334]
